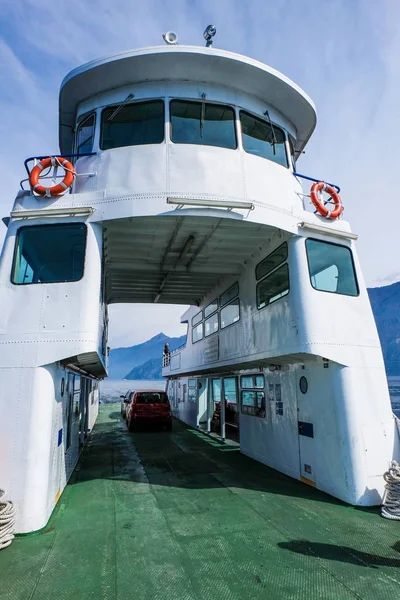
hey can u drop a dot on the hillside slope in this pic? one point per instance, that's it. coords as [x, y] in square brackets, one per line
[123, 360]
[385, 303]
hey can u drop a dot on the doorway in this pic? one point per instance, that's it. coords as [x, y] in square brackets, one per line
[305, 427]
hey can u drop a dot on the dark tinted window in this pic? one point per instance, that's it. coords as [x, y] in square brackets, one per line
[262, 139]
[133, 125]
[331, 268]
[151, 398]
[49, 253]
[274, 259]
[202, 123]
[85, 135]
[273, 287]
[229, 295]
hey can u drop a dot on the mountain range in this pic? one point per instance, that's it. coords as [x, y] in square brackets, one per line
[143, 361]
[385, 303]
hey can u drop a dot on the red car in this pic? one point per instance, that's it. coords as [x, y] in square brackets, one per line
[149, 406]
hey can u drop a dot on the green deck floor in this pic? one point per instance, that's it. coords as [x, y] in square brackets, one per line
[157, 515]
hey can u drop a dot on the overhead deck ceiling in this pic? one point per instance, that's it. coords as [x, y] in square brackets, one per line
[176, 260]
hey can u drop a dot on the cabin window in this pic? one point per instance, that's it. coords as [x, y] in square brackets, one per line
[252, 381]
[211, 325]
[274, 282]
[273, 260]
[229, 295]
[85, 135]
[197, 333]
[253, 400]
[133, 125]
[211, 308]
[253, 403]
[49, 254]
[216, 390]
[197, 318]
[263, 139]
[203, 123]
[230, 390]
[230, 314]
[331, 268]
[273, 287]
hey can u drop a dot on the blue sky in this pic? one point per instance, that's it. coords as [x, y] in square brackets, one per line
[343, 53]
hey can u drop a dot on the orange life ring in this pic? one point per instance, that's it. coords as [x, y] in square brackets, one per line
[321, 186]
[55, 190]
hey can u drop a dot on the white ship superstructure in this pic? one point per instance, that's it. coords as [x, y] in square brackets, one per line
[186, 192]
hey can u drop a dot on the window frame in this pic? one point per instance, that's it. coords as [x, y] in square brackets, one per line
[138, 101]
[253, 387]
[352, 264]
[266, 277]
[270, 123]
[207, 315]
[236, 299]
[195, 316]
[79, 124]
[221, 305]
[47, 282]
[214, 314]
[276, 266]
[202, 329]
[255, 391]
[215, 103]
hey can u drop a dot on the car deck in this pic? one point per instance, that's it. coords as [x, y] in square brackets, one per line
[177, 515]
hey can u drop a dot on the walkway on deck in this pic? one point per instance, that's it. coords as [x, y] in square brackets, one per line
[156, 515]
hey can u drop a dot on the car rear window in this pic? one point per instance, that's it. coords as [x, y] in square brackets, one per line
[151, 398]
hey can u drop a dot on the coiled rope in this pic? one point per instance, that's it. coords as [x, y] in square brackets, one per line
[391, 501]
[7, 518]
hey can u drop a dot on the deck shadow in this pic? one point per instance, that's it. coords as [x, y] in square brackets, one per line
[183, 458]
[340, 553]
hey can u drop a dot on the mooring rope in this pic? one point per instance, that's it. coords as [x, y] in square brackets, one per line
[391, 501]
[7, 519]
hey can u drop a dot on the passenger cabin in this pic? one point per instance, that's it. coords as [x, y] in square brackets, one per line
[186, 192]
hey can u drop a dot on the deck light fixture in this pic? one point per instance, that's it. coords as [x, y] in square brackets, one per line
[170, 38]
[72, 211]
[327, 230]
[210, 203]
[208, 34]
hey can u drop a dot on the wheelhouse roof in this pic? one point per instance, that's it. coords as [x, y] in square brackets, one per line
[185, 63]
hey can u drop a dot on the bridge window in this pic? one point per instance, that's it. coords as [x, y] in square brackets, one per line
[85, 135]
[132, 125]
[263, 139]
[49, 254]
[331, 268]
[202, 123]
[274, 282]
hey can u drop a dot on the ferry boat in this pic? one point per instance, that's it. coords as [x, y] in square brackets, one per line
[177, 183]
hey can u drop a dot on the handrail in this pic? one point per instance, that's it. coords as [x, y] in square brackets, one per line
[316, 180]
[61, 155]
